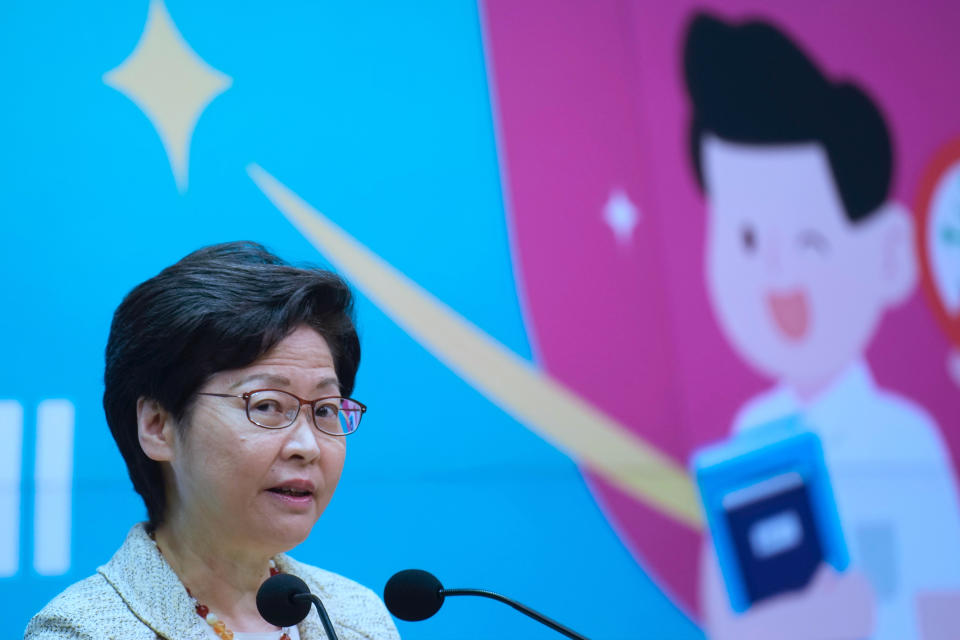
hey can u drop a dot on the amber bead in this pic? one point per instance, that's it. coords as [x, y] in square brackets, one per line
[219, 627]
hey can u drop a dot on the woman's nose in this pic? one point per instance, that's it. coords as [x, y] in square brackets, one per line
[303, 437]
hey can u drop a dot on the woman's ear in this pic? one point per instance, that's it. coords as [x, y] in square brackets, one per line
[155, 430]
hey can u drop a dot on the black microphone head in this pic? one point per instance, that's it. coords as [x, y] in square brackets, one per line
[413, 595]
[275, 600]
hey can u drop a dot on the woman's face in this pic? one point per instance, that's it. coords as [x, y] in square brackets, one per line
[252, 487]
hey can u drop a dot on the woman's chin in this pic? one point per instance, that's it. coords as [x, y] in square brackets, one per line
[288, 525]
[284, 534]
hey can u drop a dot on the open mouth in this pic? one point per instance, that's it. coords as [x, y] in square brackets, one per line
[791, 312]
[285, 491]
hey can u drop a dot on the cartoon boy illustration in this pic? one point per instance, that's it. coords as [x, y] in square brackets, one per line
[804, 255]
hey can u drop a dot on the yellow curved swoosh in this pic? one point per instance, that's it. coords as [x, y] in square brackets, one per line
[583, 431]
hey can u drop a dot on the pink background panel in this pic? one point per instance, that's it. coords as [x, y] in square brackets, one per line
[590, 100]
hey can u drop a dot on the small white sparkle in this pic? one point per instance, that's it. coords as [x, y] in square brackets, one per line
[170, 83]
[621, 215]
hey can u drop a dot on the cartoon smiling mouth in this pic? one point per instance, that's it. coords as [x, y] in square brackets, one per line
[791, 312]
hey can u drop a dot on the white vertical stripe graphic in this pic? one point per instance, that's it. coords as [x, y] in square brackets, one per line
[11, 456]
[54, 477]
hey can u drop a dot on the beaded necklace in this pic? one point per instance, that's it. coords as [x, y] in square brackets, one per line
[216, 623]
[219, 627]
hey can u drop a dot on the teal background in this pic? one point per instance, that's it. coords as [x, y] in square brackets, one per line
[379, 115]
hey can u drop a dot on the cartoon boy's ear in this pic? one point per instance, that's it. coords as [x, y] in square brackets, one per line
[155, 430]
[898, 262]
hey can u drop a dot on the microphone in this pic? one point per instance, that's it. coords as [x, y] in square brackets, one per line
[415, 595]
[284, 600]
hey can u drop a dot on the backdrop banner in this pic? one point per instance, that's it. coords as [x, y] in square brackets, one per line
[590, 241]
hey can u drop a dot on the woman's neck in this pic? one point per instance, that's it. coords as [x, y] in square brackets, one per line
[225, 580]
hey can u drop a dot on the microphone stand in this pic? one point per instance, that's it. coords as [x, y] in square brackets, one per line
[324, 618]
[556, 626]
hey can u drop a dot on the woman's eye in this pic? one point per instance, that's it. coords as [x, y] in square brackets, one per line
[748, 237]
[326, 411]
[267, 406]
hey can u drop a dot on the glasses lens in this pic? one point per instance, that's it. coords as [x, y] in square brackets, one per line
[272, 409]
[337, 416]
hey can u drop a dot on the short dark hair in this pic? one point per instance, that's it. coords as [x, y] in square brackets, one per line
[219, 308]
[749, 83]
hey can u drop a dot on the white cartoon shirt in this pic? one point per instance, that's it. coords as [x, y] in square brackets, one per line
[894, 485]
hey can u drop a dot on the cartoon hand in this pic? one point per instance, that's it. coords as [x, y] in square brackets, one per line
[838, 606]
[938, 613]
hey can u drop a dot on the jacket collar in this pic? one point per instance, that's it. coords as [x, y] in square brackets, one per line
[155, 595]
[151, 589]
[310, 627]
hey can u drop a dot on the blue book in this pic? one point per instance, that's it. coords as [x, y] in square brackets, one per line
[769, 505]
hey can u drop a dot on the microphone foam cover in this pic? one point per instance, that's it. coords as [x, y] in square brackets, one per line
[413, 595]
[275, 600]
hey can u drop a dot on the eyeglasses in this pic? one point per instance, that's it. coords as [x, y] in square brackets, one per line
[275, 409]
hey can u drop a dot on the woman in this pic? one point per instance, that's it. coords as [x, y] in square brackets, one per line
[226, 389]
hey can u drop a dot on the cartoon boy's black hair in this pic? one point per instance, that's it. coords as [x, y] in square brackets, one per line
[749, 83]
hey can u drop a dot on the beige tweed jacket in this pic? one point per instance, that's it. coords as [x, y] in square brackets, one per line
[137, 596]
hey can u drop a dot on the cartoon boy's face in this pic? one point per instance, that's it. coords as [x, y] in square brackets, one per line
[797, 287]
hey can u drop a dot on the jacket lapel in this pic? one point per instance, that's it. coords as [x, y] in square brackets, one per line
[151, 589]
[310, 628]
[155, 595]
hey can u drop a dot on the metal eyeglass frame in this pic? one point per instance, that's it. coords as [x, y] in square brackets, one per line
[312, 403]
